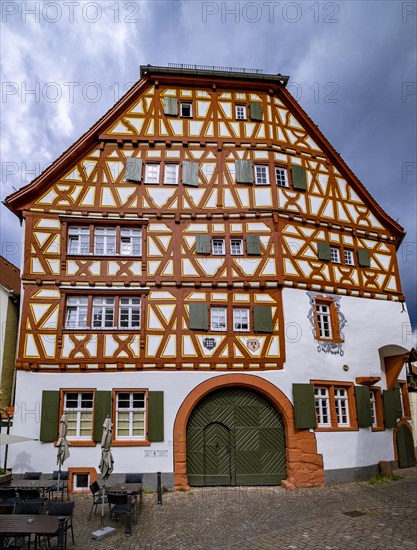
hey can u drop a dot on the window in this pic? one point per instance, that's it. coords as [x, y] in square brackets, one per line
[130, 415]
[405, 400]
[241, 319]
[171, 174]
[78, 406]
[335, 254]
[105, 241]
[240, 112]
[218, 247]
[129, 313]
[79, 240]
[323, 319]
[103, 312]
[376, 408]
[261, 175]
[281, 176]
[349, 259]
[186, 110]
[236, 247]
[218, 318]
[152, 173]
[131, 242]
[322, 406]
[333, 403]
[76, 314]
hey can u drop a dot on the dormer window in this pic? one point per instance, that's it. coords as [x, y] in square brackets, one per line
[186, 109]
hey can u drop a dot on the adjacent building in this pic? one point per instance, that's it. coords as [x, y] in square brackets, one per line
[203, 267]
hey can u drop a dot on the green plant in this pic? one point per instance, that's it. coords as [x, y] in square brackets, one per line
[381, 479]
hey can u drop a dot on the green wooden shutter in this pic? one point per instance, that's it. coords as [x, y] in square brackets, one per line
[102, 409]
[156, 416]
[171, 106]
[202, 244]
[304, 406]
[198, 316]
[363, 406]
[392, 407]
[253, 245]
[299, 180]
[255, 110]
[244, 171]
[190, 173]
[323, 251]
[405, 447]
[133, 169]
[49, 416]
[363, 257]
[262, 319]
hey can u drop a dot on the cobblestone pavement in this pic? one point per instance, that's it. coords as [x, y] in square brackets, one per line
[384, 517]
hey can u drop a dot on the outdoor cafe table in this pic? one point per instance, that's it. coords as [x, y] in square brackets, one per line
[41, 484]
[134, 488]
[27, 525]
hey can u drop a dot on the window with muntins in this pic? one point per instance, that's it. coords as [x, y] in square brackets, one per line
[130, 415]
[349, 258]
[240, 112]
[76, 313]
[332, 403]
[131, 242]
[322, 406]
[103, 312]
[241, 319]
[79, 240]
[281, 176]
[323, 317]
[152, 173]
[236, 247]
[335, 254]
[342, 406]
[78, 406]
[105, 241]
[218, 318]
[171, 174]
[261, 175]
[218, 247]
[129, 313]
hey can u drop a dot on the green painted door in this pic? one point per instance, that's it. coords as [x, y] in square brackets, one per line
[405, 447]
[235, 437]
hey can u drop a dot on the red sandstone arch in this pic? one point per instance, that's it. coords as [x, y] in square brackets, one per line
[304, 464]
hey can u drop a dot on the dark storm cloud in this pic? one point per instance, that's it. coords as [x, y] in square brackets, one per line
[352, 67]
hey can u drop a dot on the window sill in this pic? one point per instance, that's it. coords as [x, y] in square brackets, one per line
[101, 329]
[336, 429]
[330, 340]
[81, 443]
[130, 443]
[378, 429]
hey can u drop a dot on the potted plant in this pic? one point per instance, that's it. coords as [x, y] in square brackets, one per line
[5, 475]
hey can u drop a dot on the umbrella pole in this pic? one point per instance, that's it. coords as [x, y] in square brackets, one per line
[59, 477]
[102, 506]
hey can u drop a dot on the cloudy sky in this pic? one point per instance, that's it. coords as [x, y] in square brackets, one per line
[352, 66]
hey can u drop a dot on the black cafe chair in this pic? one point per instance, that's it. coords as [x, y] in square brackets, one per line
[118, 505]
[64, 509]
[32, 475]
[8, 500]
[63, 484]
[98, 498]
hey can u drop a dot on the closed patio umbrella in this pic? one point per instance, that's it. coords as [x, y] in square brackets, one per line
[106, 462]
[62, 445]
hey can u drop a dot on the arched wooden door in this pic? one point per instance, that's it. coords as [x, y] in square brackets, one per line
[235, 437]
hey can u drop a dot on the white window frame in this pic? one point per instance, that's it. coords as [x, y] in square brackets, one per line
[374, 414]
[77, 305]
[324, 320]
[79, 240]
[79, 411]
[261, 174]
[322, 406]
[130, 307]
[218, 246]
[108, 234]
[341, 403]
[183, 104]
[281, 176]
[240, 319]
[241, 112]
[102, 308]
[152, 171]
[131, 410]
[130, 241]
[233, 246]
[335, 254]
[218, 319]
[349, 258]
[171, 174]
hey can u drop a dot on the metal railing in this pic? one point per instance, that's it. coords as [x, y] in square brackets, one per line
[214, 68]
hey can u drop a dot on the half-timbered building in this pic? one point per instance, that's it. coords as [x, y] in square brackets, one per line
[203, 267]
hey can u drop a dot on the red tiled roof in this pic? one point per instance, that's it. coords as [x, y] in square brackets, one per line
[9, 275]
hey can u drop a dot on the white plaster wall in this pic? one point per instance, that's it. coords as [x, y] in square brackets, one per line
[371, 324]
